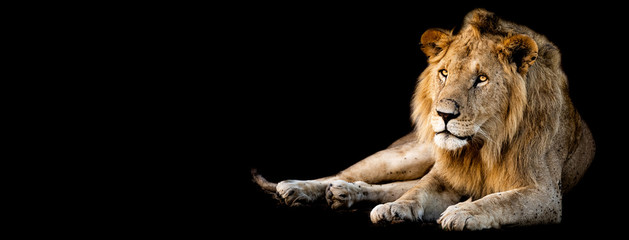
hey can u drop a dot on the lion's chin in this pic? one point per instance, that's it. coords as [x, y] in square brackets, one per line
[448, 141]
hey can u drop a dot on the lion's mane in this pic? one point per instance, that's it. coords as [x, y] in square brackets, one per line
[500, 160]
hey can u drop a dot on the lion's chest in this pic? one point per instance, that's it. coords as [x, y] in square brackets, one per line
[477, 180]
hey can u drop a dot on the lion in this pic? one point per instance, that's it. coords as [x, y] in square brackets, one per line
[496, 139]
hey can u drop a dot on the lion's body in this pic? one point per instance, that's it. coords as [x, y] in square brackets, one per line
[494, 124]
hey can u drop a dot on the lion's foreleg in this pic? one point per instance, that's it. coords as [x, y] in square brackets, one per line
[424, 202]
[523, 206]
[342, 194]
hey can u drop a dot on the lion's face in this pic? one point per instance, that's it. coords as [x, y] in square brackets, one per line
[469, 89]
[470, 82]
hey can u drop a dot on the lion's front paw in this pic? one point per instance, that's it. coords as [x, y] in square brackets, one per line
[297, 193]
[465, 216]
[341, 194]
[397, 212]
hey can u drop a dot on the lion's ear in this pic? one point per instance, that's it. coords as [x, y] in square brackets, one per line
[520, 50]
[434, 41]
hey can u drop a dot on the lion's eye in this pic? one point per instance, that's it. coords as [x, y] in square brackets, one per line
[481, 80]
[443, 72]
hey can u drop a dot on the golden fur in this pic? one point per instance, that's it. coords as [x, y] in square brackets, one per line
[494, 124]
[538, 107]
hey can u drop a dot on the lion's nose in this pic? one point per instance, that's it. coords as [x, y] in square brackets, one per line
[448, 109]
[447, 116]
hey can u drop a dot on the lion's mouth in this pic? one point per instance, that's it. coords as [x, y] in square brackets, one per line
[465, 138]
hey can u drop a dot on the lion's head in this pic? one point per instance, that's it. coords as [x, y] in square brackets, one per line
[475, 87]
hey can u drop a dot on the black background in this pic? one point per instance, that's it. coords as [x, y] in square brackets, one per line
[174, 104]
[318, 87]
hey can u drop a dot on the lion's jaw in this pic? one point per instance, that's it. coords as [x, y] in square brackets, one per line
[454, 135]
